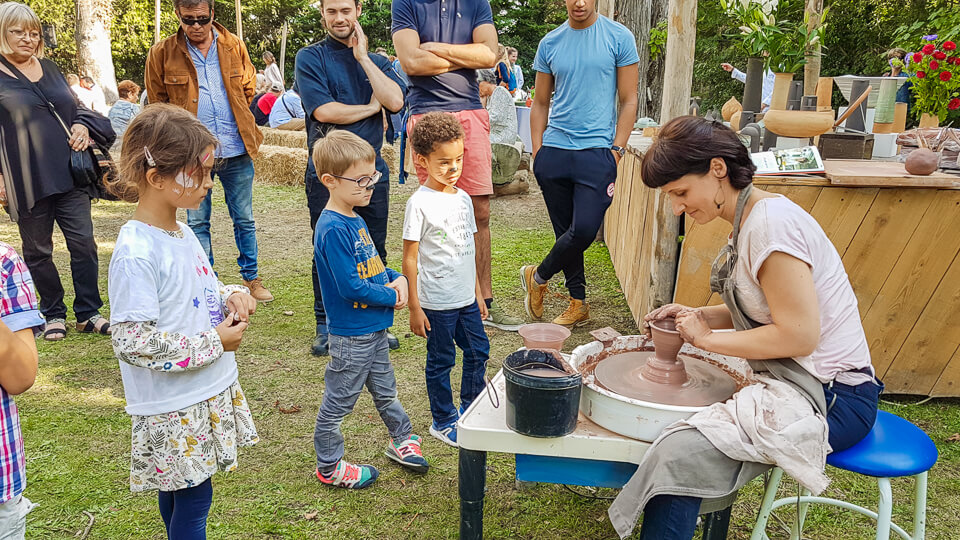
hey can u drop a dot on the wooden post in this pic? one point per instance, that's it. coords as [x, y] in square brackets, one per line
[811, 70]
[677, 80]
[156, 21]
[236, 4]
[283, 48]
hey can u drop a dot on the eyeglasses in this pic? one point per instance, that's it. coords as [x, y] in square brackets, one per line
[364, 181]
[23, 35]
[190, 21]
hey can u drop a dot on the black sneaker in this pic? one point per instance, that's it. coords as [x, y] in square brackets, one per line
[321, 345]
[392, 341]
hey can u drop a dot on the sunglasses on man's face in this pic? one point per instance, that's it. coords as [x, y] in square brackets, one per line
[202, 21]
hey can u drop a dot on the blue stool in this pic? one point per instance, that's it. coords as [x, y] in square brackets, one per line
[893, 448]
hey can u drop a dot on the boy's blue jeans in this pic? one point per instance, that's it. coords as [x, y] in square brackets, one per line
[355, 362]
[236, 177]
[450, 329]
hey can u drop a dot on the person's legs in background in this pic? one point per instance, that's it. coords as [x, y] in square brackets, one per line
[199, 221]
[236, 177]
[472, 340]
[73, 217]
[441, 357]
[317, 197]
[36, 234]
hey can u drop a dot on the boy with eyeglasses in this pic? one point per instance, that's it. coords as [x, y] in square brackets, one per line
[360, 295]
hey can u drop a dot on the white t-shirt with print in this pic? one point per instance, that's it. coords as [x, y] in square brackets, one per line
[155, 277]
[444, 225]
[778, 224]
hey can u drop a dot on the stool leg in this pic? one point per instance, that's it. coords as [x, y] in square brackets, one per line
[796, 530]
[759, 530]
[920, 506]
[884, 509]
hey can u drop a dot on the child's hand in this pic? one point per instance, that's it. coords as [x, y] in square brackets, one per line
[231, 333]
[419, 324]
[400, 285]
[484, 313]
[241, 304]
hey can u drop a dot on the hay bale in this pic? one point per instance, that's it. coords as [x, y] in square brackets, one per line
[390, 154]
[280, 165]
[282, 137]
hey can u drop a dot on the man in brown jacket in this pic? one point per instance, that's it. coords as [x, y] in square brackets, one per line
[205, 69]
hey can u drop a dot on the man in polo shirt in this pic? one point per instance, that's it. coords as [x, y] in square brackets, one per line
[343, 86]
[576, 150]
[441, 44]
[206, 70]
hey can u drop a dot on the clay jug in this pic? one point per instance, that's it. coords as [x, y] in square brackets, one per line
[731, 106]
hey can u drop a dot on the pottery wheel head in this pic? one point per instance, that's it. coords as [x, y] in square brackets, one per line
[706, 384]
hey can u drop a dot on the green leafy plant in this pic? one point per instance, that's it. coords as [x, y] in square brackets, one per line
[784, 44]
[757, 24]
[658, 40]
[935, 76]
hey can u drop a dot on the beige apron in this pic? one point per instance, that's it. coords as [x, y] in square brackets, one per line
[704, 471]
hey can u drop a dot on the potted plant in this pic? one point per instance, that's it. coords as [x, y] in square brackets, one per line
[756, 22]
[935, 78]
[788, 45]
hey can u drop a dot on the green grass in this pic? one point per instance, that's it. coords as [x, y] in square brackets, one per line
[77, 434]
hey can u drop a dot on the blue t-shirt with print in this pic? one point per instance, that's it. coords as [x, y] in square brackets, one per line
[584, 67]
[352, 276]
[444, 21]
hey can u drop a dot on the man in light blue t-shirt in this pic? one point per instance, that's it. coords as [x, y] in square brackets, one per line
[589, 65]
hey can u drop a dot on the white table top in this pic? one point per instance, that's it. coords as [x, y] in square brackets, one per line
[484, 428]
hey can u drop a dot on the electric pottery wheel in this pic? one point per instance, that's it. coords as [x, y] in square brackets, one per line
[636, 389]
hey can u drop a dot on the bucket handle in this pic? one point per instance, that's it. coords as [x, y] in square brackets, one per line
[491, 396]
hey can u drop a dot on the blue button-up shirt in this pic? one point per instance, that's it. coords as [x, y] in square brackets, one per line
[213, 105]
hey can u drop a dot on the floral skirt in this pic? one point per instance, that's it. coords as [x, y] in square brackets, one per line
[184, 448]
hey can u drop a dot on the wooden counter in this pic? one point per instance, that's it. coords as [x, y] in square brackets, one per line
[900, 247]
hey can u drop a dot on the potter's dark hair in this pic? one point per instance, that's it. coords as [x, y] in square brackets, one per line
[686, 145]
[190, 4]
[433, 129]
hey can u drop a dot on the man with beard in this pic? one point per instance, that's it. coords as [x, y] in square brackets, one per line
[344, 86]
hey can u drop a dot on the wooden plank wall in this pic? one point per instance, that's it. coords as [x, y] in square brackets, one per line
[900, 248]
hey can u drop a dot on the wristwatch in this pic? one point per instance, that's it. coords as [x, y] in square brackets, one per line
[619, 149]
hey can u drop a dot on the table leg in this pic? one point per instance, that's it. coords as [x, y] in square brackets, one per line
[715, 524]
[473, 479]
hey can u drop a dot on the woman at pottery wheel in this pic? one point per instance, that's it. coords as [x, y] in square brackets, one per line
[788, 297]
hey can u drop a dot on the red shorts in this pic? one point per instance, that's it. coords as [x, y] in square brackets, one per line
[476, 178]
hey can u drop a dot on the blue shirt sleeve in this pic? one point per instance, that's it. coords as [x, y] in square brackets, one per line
[336, 248]
[311, 80]
[404, 16]
[392, 275]
[626, 48]
[540, 61]
[483, 14]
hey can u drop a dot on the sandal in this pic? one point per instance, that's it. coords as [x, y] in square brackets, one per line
[94, 325]
[55, 329]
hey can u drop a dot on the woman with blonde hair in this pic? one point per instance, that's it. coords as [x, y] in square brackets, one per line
[36, 184]
[504, 71]
[272, 71]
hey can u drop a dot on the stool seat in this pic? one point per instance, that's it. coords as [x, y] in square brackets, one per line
[894, 447]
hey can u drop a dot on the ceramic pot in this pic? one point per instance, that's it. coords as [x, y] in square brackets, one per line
[781, 91]
[799, 123]
[928, 120]
[730, 107]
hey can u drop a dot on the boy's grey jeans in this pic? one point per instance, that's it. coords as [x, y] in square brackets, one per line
[355, 362]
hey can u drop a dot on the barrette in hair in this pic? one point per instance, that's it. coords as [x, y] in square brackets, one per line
[149, 156]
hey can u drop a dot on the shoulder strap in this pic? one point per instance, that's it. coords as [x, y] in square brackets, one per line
[284, 102]
[37, 90]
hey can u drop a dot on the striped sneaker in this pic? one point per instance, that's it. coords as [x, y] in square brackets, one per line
[348, 475]
[408, 454]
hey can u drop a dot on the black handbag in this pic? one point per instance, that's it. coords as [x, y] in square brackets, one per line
[89, 167]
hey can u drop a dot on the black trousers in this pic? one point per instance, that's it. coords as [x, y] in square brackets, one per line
[374, 215]
[71, 211]
[577, 187]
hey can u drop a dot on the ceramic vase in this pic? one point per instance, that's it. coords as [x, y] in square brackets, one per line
[781, 91]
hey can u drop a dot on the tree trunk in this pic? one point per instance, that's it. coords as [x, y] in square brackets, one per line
[639, 16]
[811, 70]
[94, 56]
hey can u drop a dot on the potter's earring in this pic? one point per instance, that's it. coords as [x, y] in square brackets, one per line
[721, 201]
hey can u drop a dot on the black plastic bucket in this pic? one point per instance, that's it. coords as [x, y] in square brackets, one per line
[543, 394]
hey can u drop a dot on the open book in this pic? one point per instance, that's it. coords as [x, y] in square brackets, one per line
[805, 160]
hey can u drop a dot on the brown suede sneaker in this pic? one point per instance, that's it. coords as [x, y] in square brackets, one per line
[578, 314]
[533, 292]
[257, 290]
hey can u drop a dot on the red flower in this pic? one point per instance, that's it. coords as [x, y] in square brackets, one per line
[934, 64]
[939, 55]
[949, 45]
[921, 74]
[917, 57]
[954, 104]
[928, 48]
[945, 76]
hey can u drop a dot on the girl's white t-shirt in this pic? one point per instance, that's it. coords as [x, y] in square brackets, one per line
[778, 224]
[156, 277]
[444, 225]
